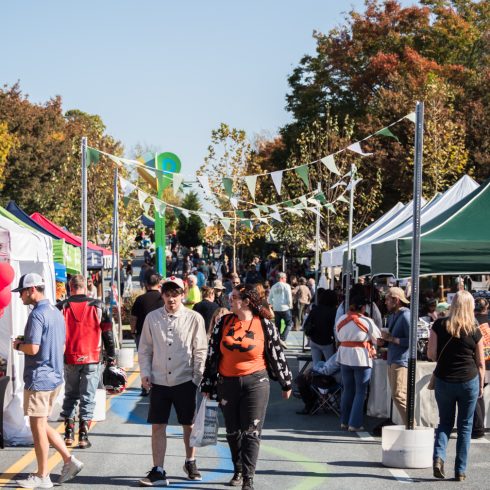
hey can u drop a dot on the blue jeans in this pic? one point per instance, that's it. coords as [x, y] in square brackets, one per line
[288, 320]
[321, 352]
[81, 381]
[355, 382]
[448, 396]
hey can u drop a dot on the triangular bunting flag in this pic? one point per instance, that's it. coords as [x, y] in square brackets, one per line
[234, 202]
[320, 197]
[247, 223]
[177, 180]
[303, 201]
[240, 214]
[294, 211]
[411, 117]
[331, 208]
[204, 181]
[228, 185]
[225, 222]
[126, 186]
[313, 201]
[251, 181]
[263, 208]
[276, 216]
[126, 200]
[277, 179]
[329, 162]
[159, 206]
[116, 160]
[142, 197]
[177, 212]
[186, 213]
[256, 211]
[264, 220]
[92, 156]
[356, 148]
[388, 133]
[146, 207]
[342, 199]
[316, 211]
[356, 181]
[303, 174]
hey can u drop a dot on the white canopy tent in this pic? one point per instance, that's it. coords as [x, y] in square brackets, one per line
[454, 194]
[395, 216]
[26, 251]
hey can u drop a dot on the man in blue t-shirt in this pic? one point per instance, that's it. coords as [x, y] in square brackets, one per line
[43, 344]
[397, 336]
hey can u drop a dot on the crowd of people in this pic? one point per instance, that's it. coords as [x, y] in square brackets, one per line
[226, 337]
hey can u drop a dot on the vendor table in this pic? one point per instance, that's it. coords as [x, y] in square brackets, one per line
[426, 413]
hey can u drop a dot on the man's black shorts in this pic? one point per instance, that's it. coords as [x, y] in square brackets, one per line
[182, 397]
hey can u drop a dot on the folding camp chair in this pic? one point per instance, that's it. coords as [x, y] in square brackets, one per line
[328, 397]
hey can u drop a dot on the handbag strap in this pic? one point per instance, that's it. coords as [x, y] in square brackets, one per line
[439, 356]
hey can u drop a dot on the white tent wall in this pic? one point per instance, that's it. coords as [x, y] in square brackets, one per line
[454, 194]
[395, 216]
[26, 251]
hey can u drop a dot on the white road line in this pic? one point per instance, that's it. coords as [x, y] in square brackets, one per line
[365, 436]
[480, 441]
[401, 476]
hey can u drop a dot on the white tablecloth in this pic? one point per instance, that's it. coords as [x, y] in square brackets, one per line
[426, 413]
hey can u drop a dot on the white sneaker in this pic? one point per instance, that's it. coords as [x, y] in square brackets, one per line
[34, 481]
[70, 470]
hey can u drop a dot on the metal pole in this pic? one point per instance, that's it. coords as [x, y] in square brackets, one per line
[118, 258]
[84, 208]
[317, 246]
[113, 247]
[414, 307]
[349, 239]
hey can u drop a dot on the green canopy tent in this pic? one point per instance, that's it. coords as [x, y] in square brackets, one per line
[455, 242]
[63, 253]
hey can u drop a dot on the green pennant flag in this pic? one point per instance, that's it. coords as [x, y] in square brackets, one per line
[228, 186]
[93, 156]
[303, 174]
[126, 201]
[320, 197]
[263, 208]
[342, 199]
[247, 223]
[240, 214]
[177, 212]
[388, 133]
[288, 204]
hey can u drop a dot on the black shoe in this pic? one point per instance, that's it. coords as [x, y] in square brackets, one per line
[237, 479]
[460, 477]
[438, 468]
[144, 392]
[83, 442]
[69, 432]
[478, 435]
[190, 468]
[248, 483]
[154, 478]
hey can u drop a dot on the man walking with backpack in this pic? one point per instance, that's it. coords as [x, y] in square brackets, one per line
[85, 321]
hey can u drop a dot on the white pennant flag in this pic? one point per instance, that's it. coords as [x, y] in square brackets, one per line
[256, 211]
[329, 162]
[356, 148]
[251, 181]
[186, 213]
[177, 180]
[342, 199]
[275, 215]
[142, 197]
[294, 211]
[303, 201]
[225, 222]
[146, 207]
[411, 117]
[126, 186]
[313, 201]
[316, 211]
[330, 208]
[234, 202]
[204, 181]
[117, 161]
[356, 181]
[206, 219]
[160, 206]
[277, 179]
[264, 220]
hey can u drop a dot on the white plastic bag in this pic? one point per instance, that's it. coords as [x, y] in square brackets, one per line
[205, 430]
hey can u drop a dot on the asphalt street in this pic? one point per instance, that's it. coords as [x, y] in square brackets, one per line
[297, 452]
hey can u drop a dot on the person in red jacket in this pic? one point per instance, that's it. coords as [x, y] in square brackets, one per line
[85, 320]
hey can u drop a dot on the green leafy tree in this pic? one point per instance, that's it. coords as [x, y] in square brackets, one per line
[7, 142]
[190, 230]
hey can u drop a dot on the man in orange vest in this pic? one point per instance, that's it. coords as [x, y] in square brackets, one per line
[85, 321]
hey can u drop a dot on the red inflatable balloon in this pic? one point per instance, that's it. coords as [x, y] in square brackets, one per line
[5, 297]
[6, 274]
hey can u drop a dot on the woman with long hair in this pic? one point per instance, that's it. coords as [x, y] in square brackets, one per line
[244, 352]
[456, 343]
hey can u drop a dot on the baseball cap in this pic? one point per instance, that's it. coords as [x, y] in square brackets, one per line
[29, 281]
[398, 293]
[174, 280]
[218, 284]
[442, 307]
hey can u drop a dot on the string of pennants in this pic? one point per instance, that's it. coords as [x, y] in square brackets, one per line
[302, 171]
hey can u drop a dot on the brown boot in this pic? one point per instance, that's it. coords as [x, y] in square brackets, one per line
[83, 442]
[69, 432]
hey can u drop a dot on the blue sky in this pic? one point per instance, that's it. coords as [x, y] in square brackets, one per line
[165, 73]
